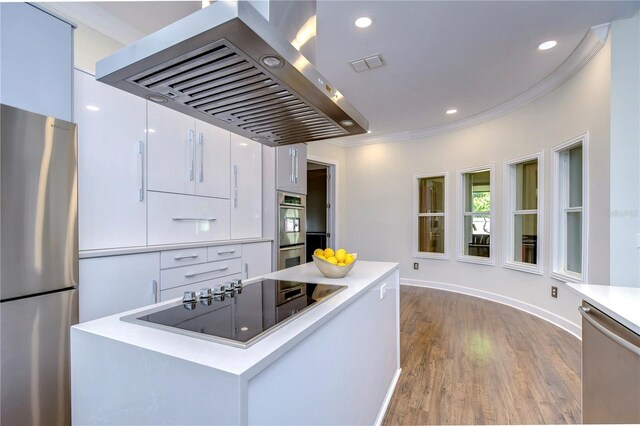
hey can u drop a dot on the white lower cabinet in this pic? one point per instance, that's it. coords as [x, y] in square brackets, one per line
[114, 284]
[177, 277]
[246, 188]
[256, 259]
[176, 218]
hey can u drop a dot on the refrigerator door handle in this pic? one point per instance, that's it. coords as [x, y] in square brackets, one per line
[617, 339]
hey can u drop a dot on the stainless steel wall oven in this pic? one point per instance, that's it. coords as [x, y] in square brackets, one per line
[292, 229]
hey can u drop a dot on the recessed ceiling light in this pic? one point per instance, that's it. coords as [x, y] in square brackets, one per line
[347, 123]
[363, 22]
[92, 108]
[451, 111]
[368, 131]
[547, 45]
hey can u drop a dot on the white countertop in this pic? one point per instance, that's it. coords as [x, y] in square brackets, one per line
[249, 361]
[620, 303]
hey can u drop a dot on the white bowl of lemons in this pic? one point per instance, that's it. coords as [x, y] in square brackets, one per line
[334, 264]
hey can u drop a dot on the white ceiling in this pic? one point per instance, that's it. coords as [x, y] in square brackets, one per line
[469, 55]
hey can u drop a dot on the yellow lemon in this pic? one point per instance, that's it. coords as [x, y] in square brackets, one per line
[328, 252]
[349, 259]
[332, 260]
[341, 254]
[342, 264]
[318, 252]
[321, 257]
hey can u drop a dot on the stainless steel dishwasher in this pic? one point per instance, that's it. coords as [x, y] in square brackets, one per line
[610, 369]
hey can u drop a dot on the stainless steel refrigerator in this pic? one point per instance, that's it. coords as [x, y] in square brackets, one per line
[39, 275]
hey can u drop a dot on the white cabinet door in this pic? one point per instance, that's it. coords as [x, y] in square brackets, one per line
[177, 218]
[110, 285]
[246, 188]
[111, 150]
[256, 259]
[36, 61]
[171, 146]
[291, 165]
[212, 160]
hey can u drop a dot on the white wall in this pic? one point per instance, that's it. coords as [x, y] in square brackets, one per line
[625, 152]
[378, 184]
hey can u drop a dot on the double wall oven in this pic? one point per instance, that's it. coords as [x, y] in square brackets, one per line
[292, 229]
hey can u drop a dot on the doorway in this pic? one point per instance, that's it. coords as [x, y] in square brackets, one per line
[320, 206]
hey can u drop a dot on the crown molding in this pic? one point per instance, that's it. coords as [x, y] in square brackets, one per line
[98, 18]
[588, 47]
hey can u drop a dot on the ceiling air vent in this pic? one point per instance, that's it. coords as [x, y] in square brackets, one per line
[367, 63]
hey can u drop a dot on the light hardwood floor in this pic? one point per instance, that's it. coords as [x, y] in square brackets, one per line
[470, 361]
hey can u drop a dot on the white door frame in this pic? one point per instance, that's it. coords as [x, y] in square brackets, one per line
[332, 196]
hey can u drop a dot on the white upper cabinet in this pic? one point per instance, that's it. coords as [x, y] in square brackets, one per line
[212, 160]
[172, 147]
[246, 188]
[187, 156]
[291, 166]
[111, 158]
[36, 60]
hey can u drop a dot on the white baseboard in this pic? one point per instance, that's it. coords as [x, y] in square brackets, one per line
[387, 398]
[554, 319]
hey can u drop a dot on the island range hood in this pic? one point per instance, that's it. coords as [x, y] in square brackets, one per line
[227, 65]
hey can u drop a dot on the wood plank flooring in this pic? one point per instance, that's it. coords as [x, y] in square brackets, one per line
[470, 361]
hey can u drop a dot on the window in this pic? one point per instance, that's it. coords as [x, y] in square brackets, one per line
[568, 255]
[474, 220]
[523, 201]
[430, 220]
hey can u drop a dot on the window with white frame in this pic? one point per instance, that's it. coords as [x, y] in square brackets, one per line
[474, 226]
[523, 201]
[569, 213]
[430, 198]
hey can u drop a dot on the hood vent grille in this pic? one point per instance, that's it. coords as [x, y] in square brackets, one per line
[227, 65]
[220, 81]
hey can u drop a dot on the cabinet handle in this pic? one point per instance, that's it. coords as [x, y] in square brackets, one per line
[193, 256]
[154, 288]
[291, 177]
[205, 272]
[295, 154]
[193, 153]
[141, 159]
[206, 219]
[235, 186]
[246, 271]
[201, 143]
[227, 252]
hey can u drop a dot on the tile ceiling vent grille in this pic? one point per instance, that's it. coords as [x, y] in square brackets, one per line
[220, 81]
[368, 63]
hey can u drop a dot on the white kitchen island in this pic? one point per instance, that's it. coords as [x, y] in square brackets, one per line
[336, 363]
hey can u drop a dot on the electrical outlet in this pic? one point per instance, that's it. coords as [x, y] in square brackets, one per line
[554, 291]
[416, 265]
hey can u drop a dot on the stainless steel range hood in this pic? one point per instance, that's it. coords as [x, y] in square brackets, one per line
[214, 65]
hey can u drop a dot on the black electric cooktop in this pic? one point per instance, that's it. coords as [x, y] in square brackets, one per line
[240, 316]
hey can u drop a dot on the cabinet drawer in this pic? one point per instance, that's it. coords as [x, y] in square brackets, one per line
[174, 292]
[224, 252]
[176, 218]
[183, 257]
[175, 277]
